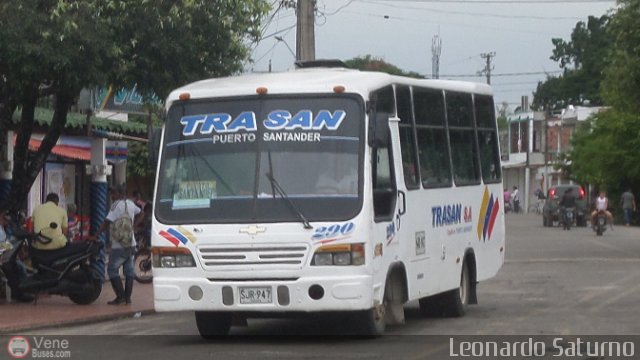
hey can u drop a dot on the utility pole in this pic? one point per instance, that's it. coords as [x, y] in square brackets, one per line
[488, 67]
[436, 50]
[305, 35]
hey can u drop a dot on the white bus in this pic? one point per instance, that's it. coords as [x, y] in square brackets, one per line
[326, 190]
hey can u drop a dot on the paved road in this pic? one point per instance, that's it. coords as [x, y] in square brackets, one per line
[554, 282]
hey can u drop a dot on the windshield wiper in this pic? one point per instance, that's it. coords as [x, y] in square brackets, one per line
[292, 206]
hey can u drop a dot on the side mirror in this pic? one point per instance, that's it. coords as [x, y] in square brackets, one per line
[379, 130]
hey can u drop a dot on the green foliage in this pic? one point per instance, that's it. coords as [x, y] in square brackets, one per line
[583, 59]
[503, 123]
[622, 77]
[370, 63]
[606, 150]
[57, 47]
[138, 162]
[164, 44]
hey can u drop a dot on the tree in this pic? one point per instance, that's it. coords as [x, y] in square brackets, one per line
[370, 63]
[620, 85]
[583, 60]
[606, 151]
[55, 48]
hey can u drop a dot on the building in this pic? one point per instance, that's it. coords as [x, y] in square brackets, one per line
[533, 144]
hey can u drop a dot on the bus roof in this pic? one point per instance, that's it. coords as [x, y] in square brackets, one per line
[314, 80]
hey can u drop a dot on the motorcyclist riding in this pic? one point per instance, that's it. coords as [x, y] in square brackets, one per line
[568, 201]
[602, 204]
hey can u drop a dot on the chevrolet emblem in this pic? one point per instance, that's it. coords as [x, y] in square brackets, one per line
[253, 230]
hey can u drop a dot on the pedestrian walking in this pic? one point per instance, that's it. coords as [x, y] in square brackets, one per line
[515, 197]
[628, 203]
[120, 221]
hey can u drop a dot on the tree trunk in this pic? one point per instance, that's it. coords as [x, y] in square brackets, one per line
[27, 166]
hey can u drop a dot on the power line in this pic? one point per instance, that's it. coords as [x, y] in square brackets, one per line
[495, 28]
[467, 13]
[508, 1]
[504, 74]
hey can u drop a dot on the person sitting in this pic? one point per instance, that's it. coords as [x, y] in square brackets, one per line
[44, 218]
[602, 204]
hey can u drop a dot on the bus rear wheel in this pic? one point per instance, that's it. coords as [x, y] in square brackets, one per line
[213, 324]
[455, 301]
[451, 303]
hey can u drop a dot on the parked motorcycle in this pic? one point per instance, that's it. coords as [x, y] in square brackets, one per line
[66, 271]
[568, 215]
[600, 224]
[142, 258]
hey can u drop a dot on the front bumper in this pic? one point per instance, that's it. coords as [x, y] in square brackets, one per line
[309, 294]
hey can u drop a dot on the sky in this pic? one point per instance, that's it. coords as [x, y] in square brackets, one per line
[518, 32]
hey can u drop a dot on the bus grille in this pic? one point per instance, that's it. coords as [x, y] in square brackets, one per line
[291, 256]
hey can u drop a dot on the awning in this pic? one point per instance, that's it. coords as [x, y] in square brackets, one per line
[79, 148]
[513, 164]
[67, 151]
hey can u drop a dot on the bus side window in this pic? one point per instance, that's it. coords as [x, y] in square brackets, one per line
[383, 176]
[487, 139]
[462, 137]
[384, 188]
[407, 134]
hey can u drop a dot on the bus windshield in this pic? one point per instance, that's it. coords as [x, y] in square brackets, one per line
[262, 159]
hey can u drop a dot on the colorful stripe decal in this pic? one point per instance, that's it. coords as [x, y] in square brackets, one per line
[494, 215]
[485, 228]
[170, 237]
[178, 236]
[489, 208]
[187, 234]
[183, 239]
[483, 211]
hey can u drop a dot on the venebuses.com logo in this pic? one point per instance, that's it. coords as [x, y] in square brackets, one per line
[18, 347]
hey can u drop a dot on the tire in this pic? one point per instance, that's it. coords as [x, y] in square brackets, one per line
[92, 294]
[431, 306]
[373, 322]
[455, 301]
[452, 303]
[213, 324]
[142, 266]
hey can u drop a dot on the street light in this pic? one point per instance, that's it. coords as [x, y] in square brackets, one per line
[279, 38]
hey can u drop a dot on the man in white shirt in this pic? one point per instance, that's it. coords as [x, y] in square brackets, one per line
[602, 204]
[515, 197]
[121, 256]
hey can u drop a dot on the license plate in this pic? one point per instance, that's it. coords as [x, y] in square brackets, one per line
[255, 295]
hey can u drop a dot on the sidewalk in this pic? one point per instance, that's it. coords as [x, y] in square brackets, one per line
[58, 310]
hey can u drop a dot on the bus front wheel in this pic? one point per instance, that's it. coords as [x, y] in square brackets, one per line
[213, 324]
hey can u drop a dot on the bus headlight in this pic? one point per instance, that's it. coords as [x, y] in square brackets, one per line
[339, 255]
[323, 259]
[172, 257]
